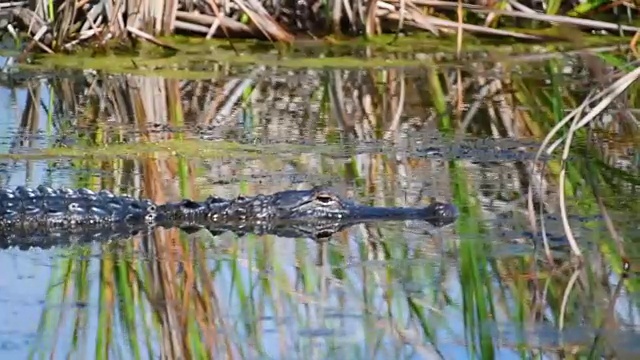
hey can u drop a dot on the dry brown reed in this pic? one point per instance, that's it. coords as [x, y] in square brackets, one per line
[174, 296]
[59, 26]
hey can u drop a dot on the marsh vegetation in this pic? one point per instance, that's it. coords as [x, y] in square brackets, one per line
[107, 25]
[486, 287]
[517, 112]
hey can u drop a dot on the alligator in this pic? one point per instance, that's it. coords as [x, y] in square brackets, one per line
[46, 214]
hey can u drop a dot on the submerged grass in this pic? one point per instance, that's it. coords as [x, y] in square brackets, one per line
[478, 308]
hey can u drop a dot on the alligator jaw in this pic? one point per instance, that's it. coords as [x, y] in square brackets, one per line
[437, 213]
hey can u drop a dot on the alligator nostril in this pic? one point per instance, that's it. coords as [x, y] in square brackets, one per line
[448, 210]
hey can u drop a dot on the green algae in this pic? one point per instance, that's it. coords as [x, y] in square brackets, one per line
[199, 66]
[173, 148]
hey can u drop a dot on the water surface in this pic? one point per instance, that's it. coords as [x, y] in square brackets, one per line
[383, 136]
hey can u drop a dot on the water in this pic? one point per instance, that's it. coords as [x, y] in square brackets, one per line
[405, 290]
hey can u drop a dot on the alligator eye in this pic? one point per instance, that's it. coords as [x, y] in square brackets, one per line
[325, 199]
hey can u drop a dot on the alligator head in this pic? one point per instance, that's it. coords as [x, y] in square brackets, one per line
[323, 203]
[317, 203]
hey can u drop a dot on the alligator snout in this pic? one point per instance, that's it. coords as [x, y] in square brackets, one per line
[443, 213]
[446, 210]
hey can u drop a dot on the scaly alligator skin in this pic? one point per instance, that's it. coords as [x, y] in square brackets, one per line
[49, 208]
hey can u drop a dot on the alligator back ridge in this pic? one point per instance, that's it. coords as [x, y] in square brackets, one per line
[47, 207]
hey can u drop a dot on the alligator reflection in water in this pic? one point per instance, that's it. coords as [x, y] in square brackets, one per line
[47, 217]
[25, 239]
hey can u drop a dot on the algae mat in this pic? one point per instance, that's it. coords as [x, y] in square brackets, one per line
[198, 59]
[175, 148]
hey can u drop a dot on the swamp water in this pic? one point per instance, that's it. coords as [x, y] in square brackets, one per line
[392, 136]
